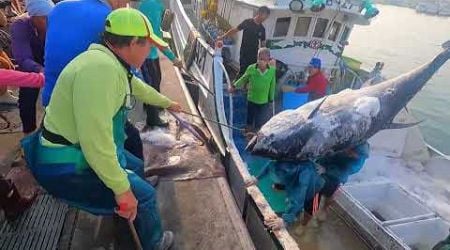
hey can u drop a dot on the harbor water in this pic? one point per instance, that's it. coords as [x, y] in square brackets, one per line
[403, 40]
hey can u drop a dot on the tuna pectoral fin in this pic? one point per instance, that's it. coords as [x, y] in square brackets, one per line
[313, 113]
[251, 144]
[401, 125]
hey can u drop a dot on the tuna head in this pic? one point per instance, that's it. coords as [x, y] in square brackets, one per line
[296, 134]
[282, 137]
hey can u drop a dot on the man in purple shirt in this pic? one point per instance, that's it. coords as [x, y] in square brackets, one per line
[27, 42]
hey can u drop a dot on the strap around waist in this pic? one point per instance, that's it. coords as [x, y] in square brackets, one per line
[55, 138]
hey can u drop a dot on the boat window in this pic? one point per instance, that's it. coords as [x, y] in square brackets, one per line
[335, 28]
[302, 26]
[321, 26]
[282, 26]
[345, 34]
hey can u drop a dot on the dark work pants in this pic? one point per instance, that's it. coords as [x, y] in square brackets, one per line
[151, 71]
[256, 114]
[27, 108]
[133, 143]
[5, 187]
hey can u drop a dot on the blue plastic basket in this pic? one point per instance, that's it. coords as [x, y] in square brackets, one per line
[292, 100]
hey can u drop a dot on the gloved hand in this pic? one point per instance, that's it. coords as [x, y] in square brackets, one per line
[127, 205]
[178, 63]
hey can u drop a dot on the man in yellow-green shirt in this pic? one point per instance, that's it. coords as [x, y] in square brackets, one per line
[79, 154]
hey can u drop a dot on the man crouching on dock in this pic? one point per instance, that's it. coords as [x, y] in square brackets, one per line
[78, 155]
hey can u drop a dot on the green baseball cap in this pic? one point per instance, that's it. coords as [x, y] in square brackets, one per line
[131, 22]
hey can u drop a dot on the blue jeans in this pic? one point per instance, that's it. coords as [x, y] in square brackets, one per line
[87, 192]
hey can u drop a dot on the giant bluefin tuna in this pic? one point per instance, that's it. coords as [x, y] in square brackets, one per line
[345, 119]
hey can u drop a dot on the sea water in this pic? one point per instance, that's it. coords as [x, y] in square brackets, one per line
[403, 40]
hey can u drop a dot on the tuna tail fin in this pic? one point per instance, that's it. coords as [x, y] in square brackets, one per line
[446, 45]
[313, 113]
[401, 125]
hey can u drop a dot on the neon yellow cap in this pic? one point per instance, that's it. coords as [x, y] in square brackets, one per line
[131, 22]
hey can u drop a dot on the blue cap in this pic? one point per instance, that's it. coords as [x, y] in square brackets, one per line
[39, 7]
[315, 63]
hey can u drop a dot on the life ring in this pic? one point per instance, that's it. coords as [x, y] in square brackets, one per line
[296, 6]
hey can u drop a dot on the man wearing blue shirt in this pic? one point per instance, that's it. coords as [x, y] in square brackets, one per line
[69, 33]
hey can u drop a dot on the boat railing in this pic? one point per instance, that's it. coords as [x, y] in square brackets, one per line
[206, 64]
[348, 79]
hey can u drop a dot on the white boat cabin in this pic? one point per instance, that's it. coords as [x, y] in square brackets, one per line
[295, 36]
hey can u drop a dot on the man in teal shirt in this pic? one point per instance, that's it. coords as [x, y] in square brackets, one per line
[151, 70]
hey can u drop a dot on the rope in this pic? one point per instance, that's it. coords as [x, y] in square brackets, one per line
[316, 203]
[213, 121]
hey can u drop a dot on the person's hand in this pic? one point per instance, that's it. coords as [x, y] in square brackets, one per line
[175, 107]
[218, 44]
[320, 169]
[127, 205]
[231, 89]
[178, 63]
[250, 182]
[274, 223]
[41, 80]
[352, 153]
[272, 63]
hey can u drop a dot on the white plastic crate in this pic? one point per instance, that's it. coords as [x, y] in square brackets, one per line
[423, 234]
[387, 202]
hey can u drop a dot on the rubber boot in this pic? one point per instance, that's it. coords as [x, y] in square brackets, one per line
[166, 241]
[11, 201]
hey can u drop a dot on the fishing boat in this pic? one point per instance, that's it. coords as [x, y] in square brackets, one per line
[296, 31]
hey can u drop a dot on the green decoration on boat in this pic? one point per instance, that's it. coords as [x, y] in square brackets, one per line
[371, 11]
[273, 45]
[317, 3]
